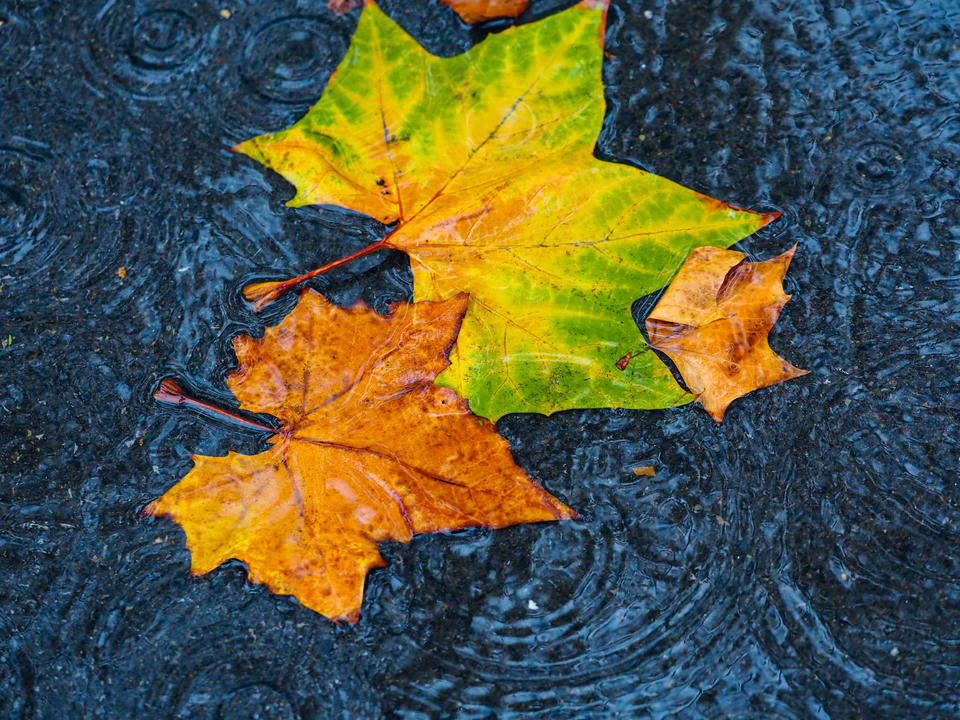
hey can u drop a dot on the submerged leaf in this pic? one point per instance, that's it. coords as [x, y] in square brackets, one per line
[484, 162]
[713, 322]
[476, 11]
[370, 450]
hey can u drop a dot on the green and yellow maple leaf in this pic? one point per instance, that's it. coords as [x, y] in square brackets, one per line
[485, 164]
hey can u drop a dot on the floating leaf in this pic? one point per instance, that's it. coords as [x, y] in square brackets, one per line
[713, 322]
[369, 450]
[477, 11]
[485, 163]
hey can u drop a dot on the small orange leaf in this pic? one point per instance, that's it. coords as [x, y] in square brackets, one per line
[476, 11]
[713, 322]
[370, 450]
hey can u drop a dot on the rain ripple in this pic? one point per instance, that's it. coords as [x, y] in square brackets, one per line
[134, 638]
[146, 51]
[883, 501]
[625, 608]
[288, 58]
[26, 201]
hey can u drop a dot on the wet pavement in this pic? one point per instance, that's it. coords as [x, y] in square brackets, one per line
[800, 561]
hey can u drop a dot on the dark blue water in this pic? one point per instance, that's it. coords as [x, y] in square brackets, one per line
[801, 561]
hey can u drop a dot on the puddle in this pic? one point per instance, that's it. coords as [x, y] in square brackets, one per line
[797, 562]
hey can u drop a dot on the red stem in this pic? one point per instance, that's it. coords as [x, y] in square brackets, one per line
[287, 284]
[169, 391]
[264, 293]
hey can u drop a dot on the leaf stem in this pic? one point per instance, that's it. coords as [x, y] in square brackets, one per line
[262, 294]
[170, 392]
[625, 360]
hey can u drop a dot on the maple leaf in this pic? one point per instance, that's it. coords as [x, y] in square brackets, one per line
[485, 164]
[476, 11]
[713, 321]
[370, 450]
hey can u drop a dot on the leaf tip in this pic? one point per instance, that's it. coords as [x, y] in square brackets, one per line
[457, 305]
[715, 407]
[169, 391]
[459, 302]
[783, 260]
[259, 295]
[359, 305]
[249, 148]
[767, 218]
[603, 6]
[352, 617]
[791, 371]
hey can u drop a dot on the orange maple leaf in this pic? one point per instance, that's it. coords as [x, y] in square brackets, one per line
[369, 450]
[713, 321]
[476, 11]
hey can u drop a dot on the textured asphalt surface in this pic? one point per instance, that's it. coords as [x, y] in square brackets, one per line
[800, 561]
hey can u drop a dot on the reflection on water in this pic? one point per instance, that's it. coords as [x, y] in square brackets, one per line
[797, 562]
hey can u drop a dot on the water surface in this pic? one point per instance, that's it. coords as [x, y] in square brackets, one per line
[798, 562]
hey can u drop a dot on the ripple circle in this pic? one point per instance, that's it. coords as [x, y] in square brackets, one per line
[879, 168]
[26, 203]
[886, 508]
[149, 52]
[287, 62]
[257, 700]
[630, 600]
[290, 59]
[135, 633]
